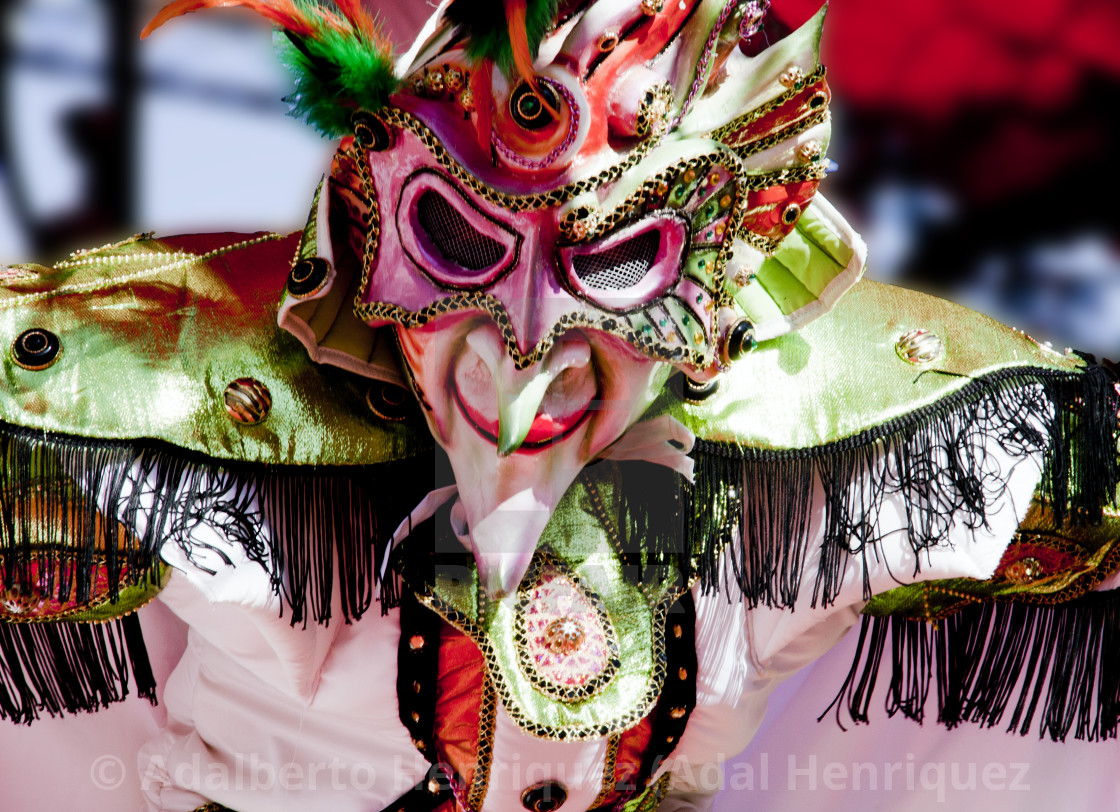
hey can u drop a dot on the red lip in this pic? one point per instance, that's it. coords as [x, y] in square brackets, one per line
[544, 431]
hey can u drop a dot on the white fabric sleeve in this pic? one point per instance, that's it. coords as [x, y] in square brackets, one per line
[744, 653]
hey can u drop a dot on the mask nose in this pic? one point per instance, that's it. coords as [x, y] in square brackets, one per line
[532, 295]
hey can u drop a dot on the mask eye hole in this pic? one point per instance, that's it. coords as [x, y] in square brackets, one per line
[453, 237]
[629, 268]
[620, 267]
[455, 242]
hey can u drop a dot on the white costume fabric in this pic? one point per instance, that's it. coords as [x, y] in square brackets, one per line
[262, 717]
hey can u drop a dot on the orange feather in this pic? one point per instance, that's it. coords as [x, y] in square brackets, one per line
[483, 94]
[359, 17]
[283, 13]
[519, 40]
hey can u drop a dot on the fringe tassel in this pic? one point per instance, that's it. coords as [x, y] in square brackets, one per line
[67, 668]
[652, 501]
[650, 520]
[934, 458]
[111, 505]
[993, 661]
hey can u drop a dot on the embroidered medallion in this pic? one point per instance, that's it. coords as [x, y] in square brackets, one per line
[578, 650]
[567, 647]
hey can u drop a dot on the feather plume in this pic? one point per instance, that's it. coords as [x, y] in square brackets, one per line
[483, 100]
[360, 18]
[519, 40]
[284, 13]
[340, 59]
[509, 33]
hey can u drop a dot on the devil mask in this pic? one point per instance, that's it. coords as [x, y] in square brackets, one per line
[544, 209]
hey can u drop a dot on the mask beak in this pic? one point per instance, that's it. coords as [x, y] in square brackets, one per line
[503, 541]
[509, 492]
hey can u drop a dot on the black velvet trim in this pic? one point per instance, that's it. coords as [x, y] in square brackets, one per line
[994, 662]
[417, 672]
[417, 693]
[434, 789]
[936, 458]
[678, 696]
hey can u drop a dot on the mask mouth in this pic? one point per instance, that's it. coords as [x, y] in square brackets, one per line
[545, 430]
[563, 404]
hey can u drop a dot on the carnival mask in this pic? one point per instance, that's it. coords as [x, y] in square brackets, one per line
[547, 210]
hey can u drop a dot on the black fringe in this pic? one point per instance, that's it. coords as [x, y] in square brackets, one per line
[1060, 664]
[67, 668]
[653, 544]
[326, 525]
[934, 458]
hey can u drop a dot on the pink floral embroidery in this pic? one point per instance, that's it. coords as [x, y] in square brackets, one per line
[567, 642]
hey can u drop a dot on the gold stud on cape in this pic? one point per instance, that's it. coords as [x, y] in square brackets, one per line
[308, 277]
[740, 340]
[248, 401]
[920, 347]
[388, 401]
[696, 392]
[36, 349]
[651, 7]
[544, 797]
[21, 599]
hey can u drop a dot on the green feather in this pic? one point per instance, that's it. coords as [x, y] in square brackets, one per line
[336, 72]
[484, 21]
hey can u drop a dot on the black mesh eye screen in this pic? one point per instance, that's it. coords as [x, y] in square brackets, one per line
[620, 267]
[455, 238]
